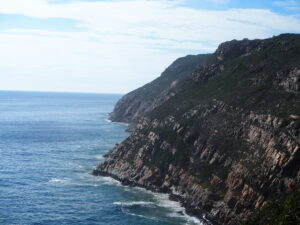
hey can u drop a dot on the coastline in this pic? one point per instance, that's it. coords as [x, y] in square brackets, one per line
[221, 151]
[188, 211]
[129, 126]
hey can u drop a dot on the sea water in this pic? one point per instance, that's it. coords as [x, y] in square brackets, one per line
[49, 144]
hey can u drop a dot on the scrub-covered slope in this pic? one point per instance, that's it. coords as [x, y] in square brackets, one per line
[228, 141]
[132, 106]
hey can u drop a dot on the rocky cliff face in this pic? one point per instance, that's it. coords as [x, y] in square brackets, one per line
[228, 141]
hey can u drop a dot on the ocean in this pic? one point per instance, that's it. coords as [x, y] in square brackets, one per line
[49, 144]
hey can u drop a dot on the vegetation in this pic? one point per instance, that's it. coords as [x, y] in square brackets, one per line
[208, 128]
[246, 82]
[154, 93]
[281, 212]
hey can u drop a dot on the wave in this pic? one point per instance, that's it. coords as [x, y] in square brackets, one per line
[118, 123]
[99, 157]
[190, 220]
[138, 215]
[58, 180]
[160, 200]
[109, 181]
[176, 207]
[143, 203]
[79, 167]
[163, 200]
[108, 120]
[178, 210]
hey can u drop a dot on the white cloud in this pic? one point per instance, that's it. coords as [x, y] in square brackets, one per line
[219, 1]
[125, 43]
[289, 4]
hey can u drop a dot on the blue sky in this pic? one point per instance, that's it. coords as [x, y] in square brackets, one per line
[115, 46]
[283, 7]
[15, 21]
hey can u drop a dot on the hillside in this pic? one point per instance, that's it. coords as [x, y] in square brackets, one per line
[135, 104]
[227, 141]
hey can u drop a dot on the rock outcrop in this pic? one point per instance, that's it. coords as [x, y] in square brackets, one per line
[228, 141]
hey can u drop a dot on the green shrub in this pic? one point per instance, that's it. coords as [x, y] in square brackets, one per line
[281, 212]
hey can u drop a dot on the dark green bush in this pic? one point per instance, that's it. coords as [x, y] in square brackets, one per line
[281, 212]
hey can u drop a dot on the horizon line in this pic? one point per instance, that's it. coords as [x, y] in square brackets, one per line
[62, 92]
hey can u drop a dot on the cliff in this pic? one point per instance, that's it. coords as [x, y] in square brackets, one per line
[227, 142]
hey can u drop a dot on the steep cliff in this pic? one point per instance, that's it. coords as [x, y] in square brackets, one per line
[135, 104]
[228, 141]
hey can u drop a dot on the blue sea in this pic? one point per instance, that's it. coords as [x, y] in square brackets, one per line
[49, 144]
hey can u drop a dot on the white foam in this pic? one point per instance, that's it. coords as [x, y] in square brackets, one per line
[174, 191]
[99, 157]
[138, 215]
[108, 120]
[134, 203]
[79, 167]
[58, 180]
[191, 220]
[118, 123]
[161, 200]
[176, 208]
[109, 181]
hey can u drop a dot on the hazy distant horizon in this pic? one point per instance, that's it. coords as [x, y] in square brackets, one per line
[62, 92]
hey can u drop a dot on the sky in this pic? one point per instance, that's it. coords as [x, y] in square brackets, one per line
[115, 46]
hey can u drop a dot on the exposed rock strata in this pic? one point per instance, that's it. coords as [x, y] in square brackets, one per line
[223, 148]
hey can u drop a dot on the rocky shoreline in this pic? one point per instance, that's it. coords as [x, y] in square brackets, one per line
[173, 197]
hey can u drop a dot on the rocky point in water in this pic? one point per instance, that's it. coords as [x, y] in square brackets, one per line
[219, 132]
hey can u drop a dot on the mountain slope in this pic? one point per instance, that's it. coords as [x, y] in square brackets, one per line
[134, 105]
[228, 141]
